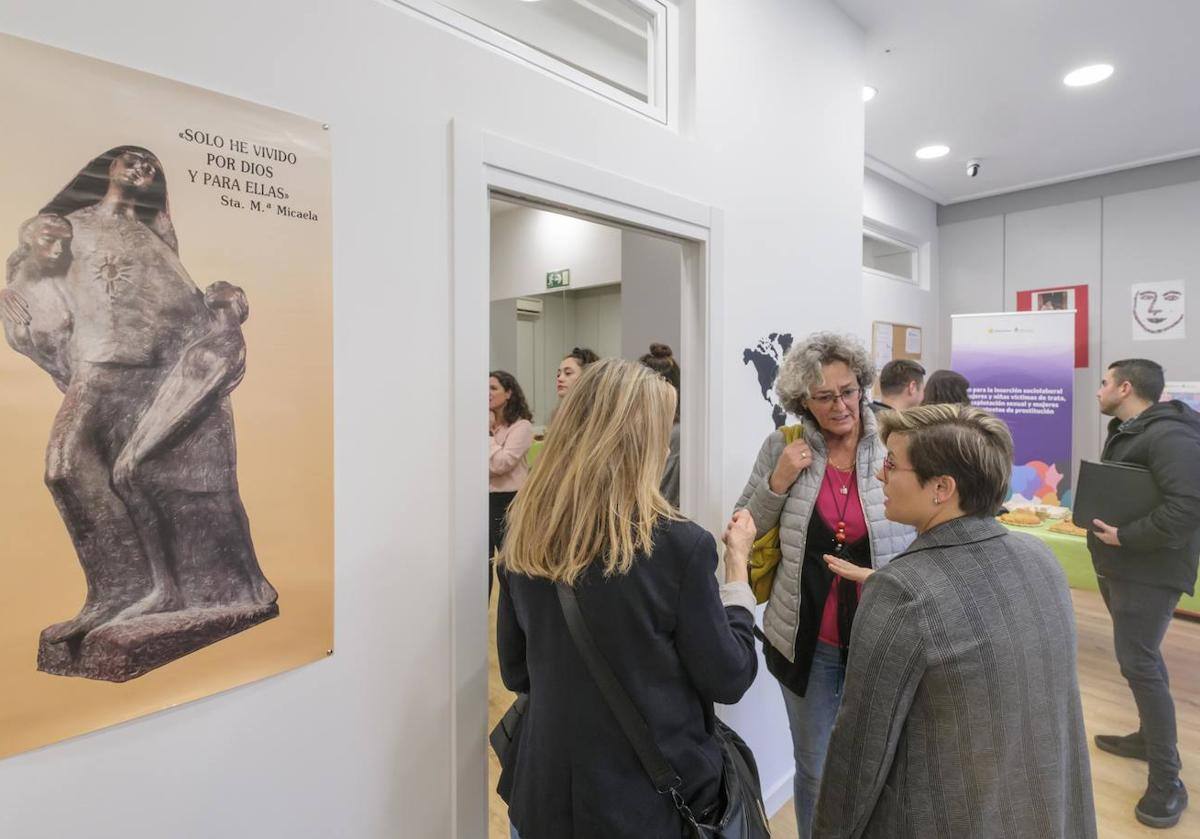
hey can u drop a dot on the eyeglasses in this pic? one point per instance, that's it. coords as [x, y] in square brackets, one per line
[889, 465]
[848, 396]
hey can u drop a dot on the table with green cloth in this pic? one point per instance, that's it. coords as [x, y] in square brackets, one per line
[1076, 560]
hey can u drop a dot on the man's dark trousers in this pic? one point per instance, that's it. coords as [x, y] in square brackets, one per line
[1140, 616]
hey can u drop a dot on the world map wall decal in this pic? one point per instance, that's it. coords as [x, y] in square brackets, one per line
[765, 357]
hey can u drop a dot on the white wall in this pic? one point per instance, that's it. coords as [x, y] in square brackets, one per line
[1107, 242]
[359, 745]
[598, 320]
[528, 243]
[910, 218]
[1052, 246]
[972, 268]
[503, 335]
[651, 290]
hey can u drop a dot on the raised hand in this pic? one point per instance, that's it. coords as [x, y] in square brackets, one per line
[794, 459]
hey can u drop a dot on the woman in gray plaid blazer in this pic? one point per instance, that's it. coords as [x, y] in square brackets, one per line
[961, 715]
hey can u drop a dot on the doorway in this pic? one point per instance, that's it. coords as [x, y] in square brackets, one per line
[487, 167]
[562, 288]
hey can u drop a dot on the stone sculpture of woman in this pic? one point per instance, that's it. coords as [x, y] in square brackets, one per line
[141, 461]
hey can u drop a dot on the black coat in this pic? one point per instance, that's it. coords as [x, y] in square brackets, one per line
[1162, 548]
[675, 650]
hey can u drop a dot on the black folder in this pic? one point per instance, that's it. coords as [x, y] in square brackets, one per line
[1115, 493]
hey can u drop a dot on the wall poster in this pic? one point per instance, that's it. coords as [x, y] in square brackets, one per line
[165, 394]
[1158, 311]
[1021, 368]
[1057, 299]
[1186, 392]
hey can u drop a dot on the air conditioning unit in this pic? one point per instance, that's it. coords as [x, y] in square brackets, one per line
[529, 308]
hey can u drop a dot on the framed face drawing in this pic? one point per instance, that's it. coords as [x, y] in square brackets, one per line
[1158, 311]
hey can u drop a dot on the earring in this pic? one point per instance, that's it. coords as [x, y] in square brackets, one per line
[937, 500]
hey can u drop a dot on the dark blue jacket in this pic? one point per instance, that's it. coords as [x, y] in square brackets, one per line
[675, 650]
[1159, 549]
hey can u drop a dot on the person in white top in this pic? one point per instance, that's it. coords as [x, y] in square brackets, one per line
[510, 434]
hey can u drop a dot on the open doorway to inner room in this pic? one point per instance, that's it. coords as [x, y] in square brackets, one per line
[562, 284]
[562, 281]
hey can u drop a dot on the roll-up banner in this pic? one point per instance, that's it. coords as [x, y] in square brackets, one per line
[1021, 368]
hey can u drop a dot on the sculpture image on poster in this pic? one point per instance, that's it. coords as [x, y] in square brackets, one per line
[141, 460]
[166, 409]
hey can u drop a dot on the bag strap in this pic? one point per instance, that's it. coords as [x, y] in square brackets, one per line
[631, 721]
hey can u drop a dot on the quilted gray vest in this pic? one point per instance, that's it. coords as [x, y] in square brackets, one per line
[792, 511]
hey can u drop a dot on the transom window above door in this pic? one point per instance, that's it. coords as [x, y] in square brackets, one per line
[615, 48]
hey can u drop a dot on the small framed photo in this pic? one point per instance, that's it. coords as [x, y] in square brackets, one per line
[1062, 298]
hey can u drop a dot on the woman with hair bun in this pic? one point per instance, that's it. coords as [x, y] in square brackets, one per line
[661, 360]
[571, 367]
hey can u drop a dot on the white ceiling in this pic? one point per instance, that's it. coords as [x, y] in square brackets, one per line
[985, 78]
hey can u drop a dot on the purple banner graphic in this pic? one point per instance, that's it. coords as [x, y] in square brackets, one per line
[1021, 368]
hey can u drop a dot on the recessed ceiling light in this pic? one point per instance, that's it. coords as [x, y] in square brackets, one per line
[868, 93]
[931, 152]
[1085, 76]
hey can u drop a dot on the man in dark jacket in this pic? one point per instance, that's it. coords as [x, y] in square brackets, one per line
[901, 386]
[1145, 565]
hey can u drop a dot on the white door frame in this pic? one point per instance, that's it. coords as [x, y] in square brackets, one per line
[482, 162]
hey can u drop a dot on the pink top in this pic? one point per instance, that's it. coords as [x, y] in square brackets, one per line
[506, 460]
[829, 502]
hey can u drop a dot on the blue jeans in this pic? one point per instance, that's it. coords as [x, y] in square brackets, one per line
[811, 719]
[512, 832]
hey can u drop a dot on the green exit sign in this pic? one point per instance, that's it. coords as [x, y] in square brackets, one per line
[558, 279]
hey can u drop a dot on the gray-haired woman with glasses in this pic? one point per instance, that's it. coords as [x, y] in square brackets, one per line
[823, 494]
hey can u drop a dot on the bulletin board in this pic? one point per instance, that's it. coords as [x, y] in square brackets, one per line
[895, 340]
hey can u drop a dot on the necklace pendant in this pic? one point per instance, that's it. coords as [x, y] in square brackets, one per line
[844, 490]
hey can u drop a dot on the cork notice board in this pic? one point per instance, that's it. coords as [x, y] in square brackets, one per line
[895, 340]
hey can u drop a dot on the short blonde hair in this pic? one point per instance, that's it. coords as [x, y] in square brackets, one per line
[594, 493]
[967, 444]
[801, 369]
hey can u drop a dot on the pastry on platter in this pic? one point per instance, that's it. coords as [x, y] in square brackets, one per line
[1021, 518]
[1068, 527]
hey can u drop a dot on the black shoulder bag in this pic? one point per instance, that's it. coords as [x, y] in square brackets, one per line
[742, 814]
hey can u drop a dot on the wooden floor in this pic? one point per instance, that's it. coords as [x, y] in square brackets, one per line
[1107, 707]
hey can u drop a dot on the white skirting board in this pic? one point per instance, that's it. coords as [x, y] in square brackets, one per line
[779, 795]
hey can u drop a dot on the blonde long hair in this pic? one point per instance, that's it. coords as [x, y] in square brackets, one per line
[594, 493]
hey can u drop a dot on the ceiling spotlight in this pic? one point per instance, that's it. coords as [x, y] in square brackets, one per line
[932, 152]
[868, 93]
[1084, 76]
